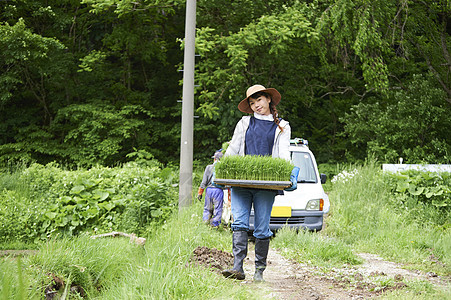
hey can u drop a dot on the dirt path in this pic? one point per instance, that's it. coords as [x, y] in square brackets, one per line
[286, 279]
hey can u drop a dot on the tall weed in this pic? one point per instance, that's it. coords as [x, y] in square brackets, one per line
[312, 248]
[165, 272]
[366, 214]
[112, 268]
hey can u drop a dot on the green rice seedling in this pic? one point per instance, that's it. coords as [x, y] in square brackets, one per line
[252, 167]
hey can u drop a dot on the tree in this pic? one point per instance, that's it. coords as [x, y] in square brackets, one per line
[324, 56]
[90, 81]
[104, 57]
[414, 125]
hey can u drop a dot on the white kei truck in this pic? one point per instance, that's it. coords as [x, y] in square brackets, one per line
[303, 208]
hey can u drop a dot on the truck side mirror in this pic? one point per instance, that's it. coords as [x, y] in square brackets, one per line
[323, 178]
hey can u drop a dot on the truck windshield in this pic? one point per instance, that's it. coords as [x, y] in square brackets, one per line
[303, 160]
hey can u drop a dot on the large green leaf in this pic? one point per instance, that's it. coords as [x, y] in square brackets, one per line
[156, 213]
[51, 215]
[100, 195]
[402, 186]
[107, 205]
[441, 203]
[415, 191]
[77, 189]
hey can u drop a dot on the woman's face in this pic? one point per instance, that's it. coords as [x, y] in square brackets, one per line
[260, 105]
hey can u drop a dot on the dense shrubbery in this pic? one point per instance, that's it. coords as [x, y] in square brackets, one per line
[425, 195]
[38, 201]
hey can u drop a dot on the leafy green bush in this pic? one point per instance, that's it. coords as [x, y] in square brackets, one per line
[413, 123]
[251, 167]
[426, 195]
[47, 200]
[15, 216]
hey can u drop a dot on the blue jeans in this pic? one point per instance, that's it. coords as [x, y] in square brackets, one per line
[214, 200]
[242, 200]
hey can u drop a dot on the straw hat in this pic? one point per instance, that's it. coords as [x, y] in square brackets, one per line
[244, 104]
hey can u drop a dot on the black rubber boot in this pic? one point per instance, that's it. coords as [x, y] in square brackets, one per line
[261, 254]
[240, 239]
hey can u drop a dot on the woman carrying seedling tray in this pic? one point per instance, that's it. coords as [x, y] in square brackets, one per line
[262, 133]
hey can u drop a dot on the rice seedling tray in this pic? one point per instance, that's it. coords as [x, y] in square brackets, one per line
[256, 184]
[254, 171]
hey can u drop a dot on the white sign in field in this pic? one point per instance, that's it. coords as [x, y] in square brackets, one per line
[429, 168]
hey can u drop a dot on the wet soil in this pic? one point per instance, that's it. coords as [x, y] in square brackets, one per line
[57, 286]
[287, 279]
[214, 259]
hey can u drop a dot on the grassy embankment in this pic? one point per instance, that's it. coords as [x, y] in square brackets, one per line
[115, 269]
[367, 217]
[363, 218]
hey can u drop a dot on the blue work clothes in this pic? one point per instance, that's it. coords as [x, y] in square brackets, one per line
[281, 147]
[207, 179]
[214, 200]
[262, 200]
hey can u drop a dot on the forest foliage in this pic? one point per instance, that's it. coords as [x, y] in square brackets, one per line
[85, 82]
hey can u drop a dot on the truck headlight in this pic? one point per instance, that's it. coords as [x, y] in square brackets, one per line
[315, 204]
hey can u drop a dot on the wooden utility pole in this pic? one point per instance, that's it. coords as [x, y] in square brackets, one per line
[186, 141]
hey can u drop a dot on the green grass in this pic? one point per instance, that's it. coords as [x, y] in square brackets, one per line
[15, 281]
[164, 273]
[113, 268]
[365, 215]
[312, 248]
[417, 290]
[18, 245]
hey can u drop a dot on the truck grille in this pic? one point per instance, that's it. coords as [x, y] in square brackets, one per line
[284, 220]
